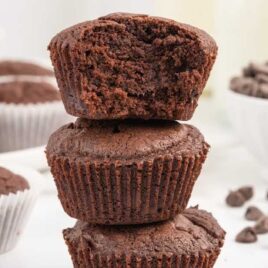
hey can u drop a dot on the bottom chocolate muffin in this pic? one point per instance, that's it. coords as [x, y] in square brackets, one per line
[192, 239]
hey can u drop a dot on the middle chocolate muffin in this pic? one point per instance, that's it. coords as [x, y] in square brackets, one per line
[125, 172]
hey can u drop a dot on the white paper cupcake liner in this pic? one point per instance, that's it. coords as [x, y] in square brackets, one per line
[15, 208]
[25, 126]
[14, 213]
[29, 125]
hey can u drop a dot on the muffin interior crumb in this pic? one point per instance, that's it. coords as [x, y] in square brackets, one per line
[140, 60]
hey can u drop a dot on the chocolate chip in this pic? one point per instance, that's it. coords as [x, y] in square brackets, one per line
[247, 192]
[245, 85]
[247, 235]
[262, 78]
[263, 90]
[255, 68]
[248, 72]
[235, 199]
[253, 213]
[261, 226]
[253, 82]
[259, 68]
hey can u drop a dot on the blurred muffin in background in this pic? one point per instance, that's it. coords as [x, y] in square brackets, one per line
[253, 82]
[26, 92]
[17, 197]
[30, 106]
[12, 67]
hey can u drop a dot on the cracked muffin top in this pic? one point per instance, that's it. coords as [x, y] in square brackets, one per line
[126, 140]
[190, 232]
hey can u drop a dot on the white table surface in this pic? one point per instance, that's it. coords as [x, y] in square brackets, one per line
[228, 166]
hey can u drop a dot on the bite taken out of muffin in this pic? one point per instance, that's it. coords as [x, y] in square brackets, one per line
[132, 66]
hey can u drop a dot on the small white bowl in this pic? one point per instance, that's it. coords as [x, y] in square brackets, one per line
[249, 116]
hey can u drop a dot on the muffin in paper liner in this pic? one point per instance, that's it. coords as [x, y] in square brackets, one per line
[190, 240]
[105, 72]
[15, 208]
[29, 125]
[207, 260]
[25, 126]
[127, 188]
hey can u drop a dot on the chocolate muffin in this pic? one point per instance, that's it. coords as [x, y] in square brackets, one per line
[132, 66]
[11, 183]
[24, 92]
[31, 109]
[192, 239]
[125, 172]
[10, 67]
[18, 194]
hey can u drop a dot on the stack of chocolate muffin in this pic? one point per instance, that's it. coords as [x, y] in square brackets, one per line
[125, 169]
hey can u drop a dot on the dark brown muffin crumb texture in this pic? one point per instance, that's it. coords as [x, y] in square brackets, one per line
[25, 92]
[11, 183]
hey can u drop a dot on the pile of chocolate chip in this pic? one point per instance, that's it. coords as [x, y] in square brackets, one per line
[253, 81]
[237, 199]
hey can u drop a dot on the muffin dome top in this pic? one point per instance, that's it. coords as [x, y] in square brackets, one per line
[9, 67]
[125, 140]
[11, 183]
[188, 233]
[26, 92]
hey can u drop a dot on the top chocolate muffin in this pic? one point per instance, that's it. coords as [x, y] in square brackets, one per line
[132, 66]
